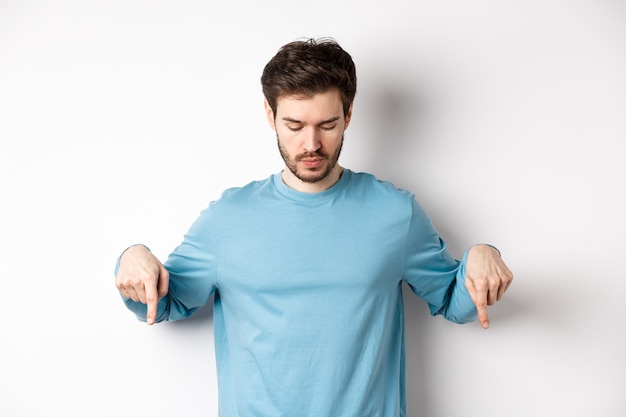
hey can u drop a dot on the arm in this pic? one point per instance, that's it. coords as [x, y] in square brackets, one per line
[459, 291]
[433, 274]
[175, 289]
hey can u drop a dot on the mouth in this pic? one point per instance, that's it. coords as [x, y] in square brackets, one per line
[312, 163]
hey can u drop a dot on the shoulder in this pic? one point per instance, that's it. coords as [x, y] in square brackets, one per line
[246, 192]
[232, 204]
[371, 186]
[373, 195]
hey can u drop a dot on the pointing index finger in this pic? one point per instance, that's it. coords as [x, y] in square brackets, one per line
[481, 307]
[152, 301]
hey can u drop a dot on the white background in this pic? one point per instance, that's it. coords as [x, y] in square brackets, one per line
[121, 120]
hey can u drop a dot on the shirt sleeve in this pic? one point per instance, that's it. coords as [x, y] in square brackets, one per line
[193, 268]
[433, 274]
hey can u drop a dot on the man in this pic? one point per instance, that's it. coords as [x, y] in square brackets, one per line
[307, 266]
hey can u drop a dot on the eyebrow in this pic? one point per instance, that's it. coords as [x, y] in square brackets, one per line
[323, 122]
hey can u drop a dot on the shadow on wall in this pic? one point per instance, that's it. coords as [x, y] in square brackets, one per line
[396, 120]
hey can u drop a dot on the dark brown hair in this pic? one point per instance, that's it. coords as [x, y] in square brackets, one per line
[309, 67]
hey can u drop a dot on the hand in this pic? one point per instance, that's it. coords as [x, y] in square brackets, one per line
[487, 278]
[142, 278]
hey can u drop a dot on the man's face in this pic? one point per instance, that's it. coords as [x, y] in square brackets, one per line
[310, 135]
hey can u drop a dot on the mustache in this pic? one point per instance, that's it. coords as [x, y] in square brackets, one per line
[317, 154]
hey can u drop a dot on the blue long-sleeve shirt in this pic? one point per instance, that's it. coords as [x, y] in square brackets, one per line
[308, 313]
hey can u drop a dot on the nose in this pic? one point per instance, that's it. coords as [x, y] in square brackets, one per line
[311, 140]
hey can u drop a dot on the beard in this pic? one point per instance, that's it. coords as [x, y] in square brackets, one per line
[312, 175]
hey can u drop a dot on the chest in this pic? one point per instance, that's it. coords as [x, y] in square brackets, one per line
[310, 248]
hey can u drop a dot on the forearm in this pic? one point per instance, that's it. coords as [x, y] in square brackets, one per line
[459, 307]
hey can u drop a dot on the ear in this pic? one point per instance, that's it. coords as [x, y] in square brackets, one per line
[269, 114]
[348, 116]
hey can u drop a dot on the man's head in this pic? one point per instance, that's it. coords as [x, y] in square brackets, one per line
[305, 68]
[309, 88]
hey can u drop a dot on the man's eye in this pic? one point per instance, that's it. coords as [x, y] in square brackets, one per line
[328, 127]
[294, 128]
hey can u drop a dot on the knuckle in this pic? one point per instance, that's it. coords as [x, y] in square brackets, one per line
[482, 282]
[142, 279]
